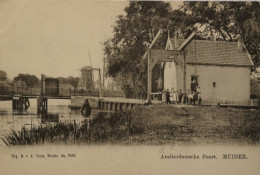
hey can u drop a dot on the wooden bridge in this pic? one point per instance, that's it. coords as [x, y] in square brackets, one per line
[8, 92]
[50, 89]
[19, 94]
[107, 103]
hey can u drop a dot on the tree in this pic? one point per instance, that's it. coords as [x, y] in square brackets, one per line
[132, 35]
[30, 80]
[3, 75]
[134, 32]
[73, 81]
[69, 80]
[251, 38]
[228, 19]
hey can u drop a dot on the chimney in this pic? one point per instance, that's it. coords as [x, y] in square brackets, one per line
[176, 40]
[240, 44]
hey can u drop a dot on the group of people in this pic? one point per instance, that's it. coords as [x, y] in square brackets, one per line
[183, 97]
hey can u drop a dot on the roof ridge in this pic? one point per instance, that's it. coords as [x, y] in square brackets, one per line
[232, 42]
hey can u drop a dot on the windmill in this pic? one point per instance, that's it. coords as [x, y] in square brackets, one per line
[87, 77]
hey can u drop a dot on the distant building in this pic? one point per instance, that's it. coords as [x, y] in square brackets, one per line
[19, 86]
[21, 83]
[50, 85]
[86, 79]
[66, 89]
[221, 70]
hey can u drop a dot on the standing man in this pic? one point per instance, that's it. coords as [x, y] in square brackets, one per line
[86, 109]
[26, 103]
[190, 97]
[180, 96]
[39, 105]
[167, 96]
[184, 96]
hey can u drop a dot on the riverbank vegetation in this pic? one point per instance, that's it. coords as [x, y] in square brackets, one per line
[151, 125]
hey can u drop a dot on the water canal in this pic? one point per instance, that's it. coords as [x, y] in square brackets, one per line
[58, 110]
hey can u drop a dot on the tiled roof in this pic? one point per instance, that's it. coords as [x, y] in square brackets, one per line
[216, 52]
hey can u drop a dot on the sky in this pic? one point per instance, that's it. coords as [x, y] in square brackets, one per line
[54, 37]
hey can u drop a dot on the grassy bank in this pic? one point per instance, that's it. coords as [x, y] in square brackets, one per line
[198, 125]
[155, 125]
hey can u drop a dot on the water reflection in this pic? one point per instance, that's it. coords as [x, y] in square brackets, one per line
[20, 112]
[49, 118]
[58, 110]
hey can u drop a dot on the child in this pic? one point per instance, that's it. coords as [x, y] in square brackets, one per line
[187, 96]
[190, 98]
[163, 96]
[177, 97]
[173, 97]
[200, 98]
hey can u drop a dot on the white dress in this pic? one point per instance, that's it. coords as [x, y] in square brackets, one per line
[173, 97]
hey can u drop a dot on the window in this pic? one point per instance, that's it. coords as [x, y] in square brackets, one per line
[214, 84]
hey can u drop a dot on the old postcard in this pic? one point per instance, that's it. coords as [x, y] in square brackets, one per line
[129, 87]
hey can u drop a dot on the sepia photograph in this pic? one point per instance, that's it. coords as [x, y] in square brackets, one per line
[129, 87]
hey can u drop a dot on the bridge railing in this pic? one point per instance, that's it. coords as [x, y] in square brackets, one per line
[84, 92]
[15, 90]
[114, 93]
[27, 91]
[57, 92]
[95, 93]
